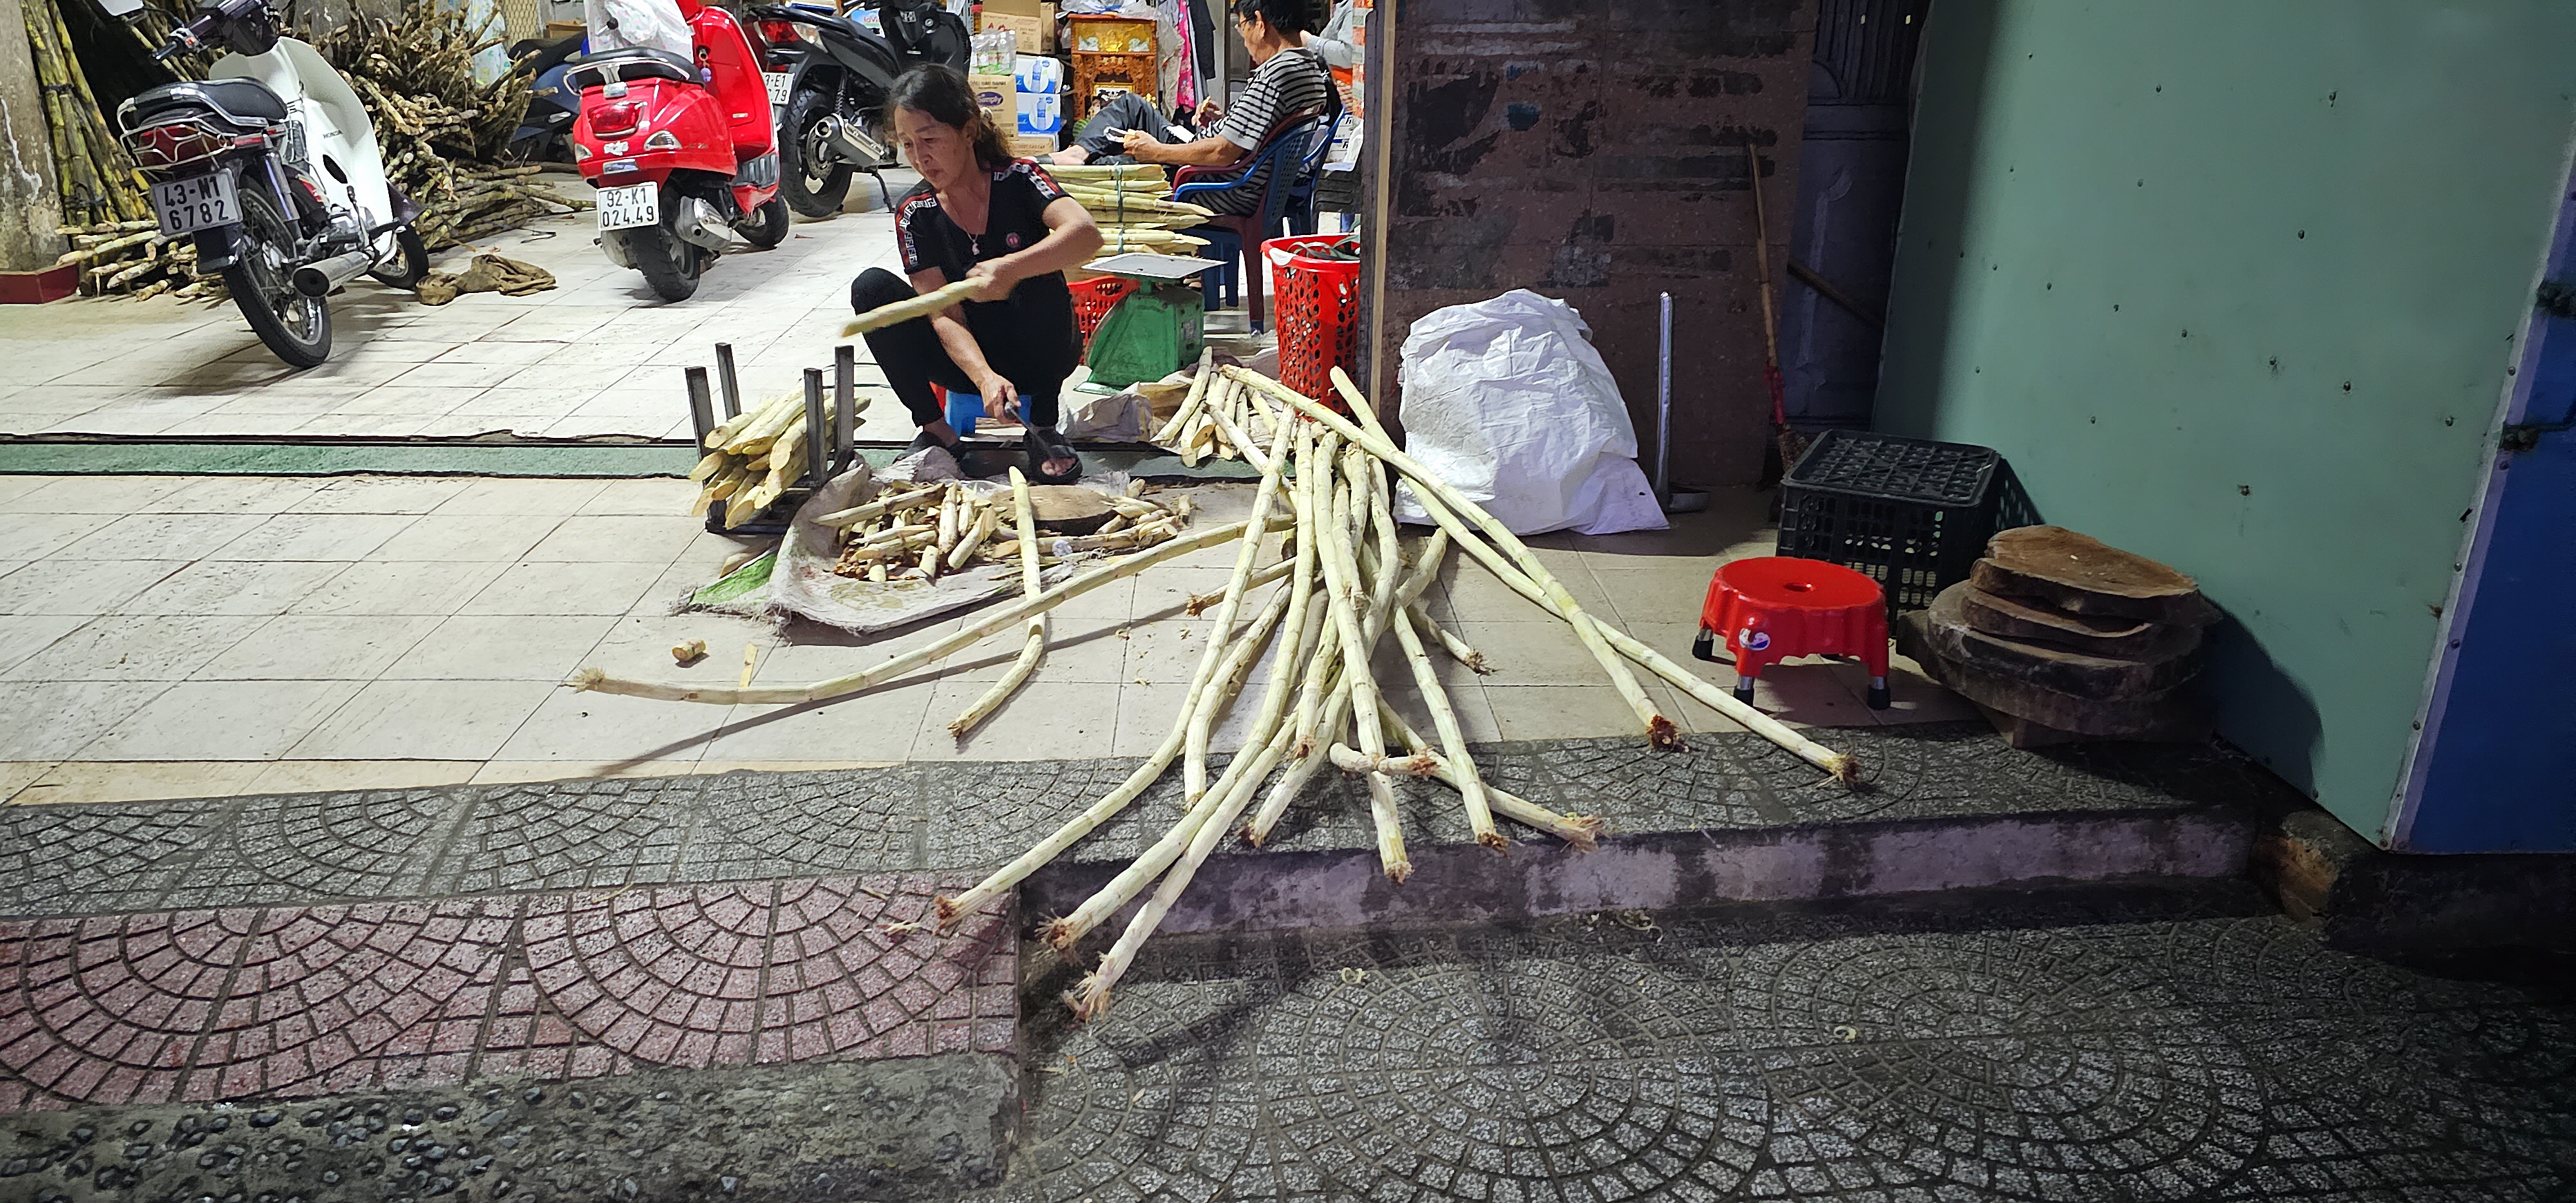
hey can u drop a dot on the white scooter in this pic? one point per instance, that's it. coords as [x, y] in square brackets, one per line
[272, 166]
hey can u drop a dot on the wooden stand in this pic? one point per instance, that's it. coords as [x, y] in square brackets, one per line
[1136, 70]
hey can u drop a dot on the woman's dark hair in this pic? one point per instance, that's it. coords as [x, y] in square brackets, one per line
[1284, 16]
[943, 94]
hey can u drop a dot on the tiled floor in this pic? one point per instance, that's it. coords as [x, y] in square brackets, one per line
[598, 354]
[251, 633]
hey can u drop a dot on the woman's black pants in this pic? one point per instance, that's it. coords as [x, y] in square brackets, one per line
[1028, 338]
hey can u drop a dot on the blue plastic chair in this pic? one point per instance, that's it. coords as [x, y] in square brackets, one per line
[1235, 238]
[1301, 195]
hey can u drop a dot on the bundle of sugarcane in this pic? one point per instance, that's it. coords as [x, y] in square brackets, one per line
[1349, 585]
[96, 178]
[135, 259]
[1133, 206]
[444, 137]
[754, 457]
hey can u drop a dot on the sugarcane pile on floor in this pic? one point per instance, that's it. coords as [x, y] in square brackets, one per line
[119, 247]
[1345, 585]
[923, 532]
[1216, 404]
[1133, 206]
[443, 136]
[755, 456]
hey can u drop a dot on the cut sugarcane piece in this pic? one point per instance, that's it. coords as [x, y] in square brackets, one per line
[1458, 649]
[1190, 405]
[858, 514]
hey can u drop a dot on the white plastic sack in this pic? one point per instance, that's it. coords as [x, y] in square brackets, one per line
[1510, 404]
[650, 24]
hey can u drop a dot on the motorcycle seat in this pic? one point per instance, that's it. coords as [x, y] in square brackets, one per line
[246, 103]
[632, 63]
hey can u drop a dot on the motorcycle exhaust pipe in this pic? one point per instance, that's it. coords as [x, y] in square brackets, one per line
[319, 278]
[698, 222]
[850, 142]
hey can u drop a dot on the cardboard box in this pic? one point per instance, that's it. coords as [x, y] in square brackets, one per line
[1041, 113]
[1031, 31]
[1015, 8]
[998, 96]
[1030, 146]
[565, 29]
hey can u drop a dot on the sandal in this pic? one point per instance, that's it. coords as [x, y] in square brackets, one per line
[970, 463]
[1043, 443]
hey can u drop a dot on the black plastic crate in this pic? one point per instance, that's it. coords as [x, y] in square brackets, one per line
[1912, 513]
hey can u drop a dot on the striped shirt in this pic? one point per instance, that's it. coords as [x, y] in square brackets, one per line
[1291, 81]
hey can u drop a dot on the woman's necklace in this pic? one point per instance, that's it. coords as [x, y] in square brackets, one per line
[974, 242]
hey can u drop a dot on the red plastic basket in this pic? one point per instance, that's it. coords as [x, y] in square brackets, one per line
[1092, 301]
[1318, 304]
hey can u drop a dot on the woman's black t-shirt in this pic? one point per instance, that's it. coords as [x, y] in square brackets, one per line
[1014, 221]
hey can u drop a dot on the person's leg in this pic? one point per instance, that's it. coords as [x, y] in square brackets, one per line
[1098, 142]
[908, 353]
[1033, 345]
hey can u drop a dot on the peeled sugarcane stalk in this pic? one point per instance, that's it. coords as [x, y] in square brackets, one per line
[951, 503]
[1190, 405]
[1582, 831]
[903, 311]
[598, 680]
[1660, 731]
[1194, 764]
[1458, 649]
[1453, 739]
[1201, 601]
[1034, 647]
[725, 431]
[1132, 880]
[1110, 804]
[1341, 580]
[858, 514]
[1351, 760]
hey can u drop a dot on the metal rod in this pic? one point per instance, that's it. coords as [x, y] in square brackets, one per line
[845, 416]
[1664, 404]
[701, 416]
[725, 377]
[816, 450]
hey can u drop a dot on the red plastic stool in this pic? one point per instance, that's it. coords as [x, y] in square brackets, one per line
[1774, 607]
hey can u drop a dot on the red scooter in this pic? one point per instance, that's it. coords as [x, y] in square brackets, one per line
[684, 154]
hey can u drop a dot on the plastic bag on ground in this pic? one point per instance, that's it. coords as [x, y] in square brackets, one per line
[1508, 402]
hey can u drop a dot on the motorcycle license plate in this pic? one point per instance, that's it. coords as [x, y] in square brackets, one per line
[201, 202]
[777, 81]
[630, 206]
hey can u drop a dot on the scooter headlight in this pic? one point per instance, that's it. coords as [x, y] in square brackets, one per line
[662, 139]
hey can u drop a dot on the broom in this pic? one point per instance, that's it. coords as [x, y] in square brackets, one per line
[1792, 443]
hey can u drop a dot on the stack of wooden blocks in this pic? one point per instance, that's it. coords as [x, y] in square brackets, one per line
[2060, 638]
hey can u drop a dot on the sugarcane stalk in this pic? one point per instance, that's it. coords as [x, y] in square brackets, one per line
[1341, 582]
[1459, 649]
[1221, 625]
[1660, 731]
[1032, 648]
[597, 679]
[1201, 601]
[925, 305]
[1352, 760]
[1453, 739]
[985, 521]
[1582, 831]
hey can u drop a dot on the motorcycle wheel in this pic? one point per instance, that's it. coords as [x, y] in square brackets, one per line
[296, 327]
[411, 261]
[768, 225]
[808, 193]
[669, 265]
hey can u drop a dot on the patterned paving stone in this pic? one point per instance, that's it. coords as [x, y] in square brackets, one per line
[373, 844]
[1782, 1053]
[299, 1002]
[87, 859]
[567, 834]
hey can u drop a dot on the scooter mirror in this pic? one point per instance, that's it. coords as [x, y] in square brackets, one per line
[122, 9]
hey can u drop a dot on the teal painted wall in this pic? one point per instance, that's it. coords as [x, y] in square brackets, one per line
[2236, 286]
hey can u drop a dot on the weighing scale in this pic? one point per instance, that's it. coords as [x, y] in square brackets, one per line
[1155, 330]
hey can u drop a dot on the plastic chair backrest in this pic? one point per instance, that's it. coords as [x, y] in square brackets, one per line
[1282, 139]
[1323, 146]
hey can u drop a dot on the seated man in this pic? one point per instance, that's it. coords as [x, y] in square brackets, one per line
[1286, 79]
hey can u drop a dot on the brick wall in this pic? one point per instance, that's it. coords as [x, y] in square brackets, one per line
[1593, 151]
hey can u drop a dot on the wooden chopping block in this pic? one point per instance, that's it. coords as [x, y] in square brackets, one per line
[2055, 669]
[2156, 717]
[2094, 635]
[2083, 575]
[2022, 733]
[1069, 509]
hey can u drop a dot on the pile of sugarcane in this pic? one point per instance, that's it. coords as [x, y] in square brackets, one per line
[1132, 203]
[444, 137]
[924, 532]
[1349, 584]
[755, 456]
[1215, 404]
[95, 177]
[135, 259]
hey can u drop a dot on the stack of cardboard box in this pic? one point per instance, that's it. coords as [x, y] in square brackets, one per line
[1035, 93]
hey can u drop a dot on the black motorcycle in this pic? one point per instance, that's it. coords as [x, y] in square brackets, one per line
[828, 80]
